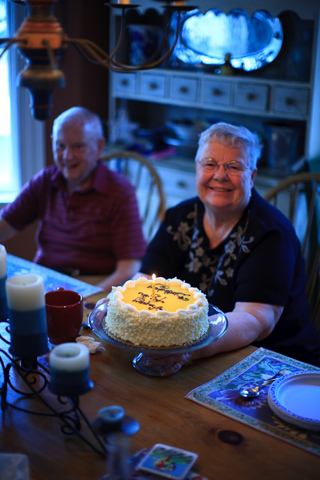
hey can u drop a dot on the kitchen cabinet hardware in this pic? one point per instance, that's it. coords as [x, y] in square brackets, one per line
[290, 101]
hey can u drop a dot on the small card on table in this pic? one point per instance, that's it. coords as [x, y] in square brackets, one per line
[169, 462]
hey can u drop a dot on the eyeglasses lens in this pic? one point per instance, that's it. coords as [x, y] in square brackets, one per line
[231, 168]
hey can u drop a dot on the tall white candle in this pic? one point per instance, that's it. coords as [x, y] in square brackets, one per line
[3, 261]
[27, 315]
[25, 292]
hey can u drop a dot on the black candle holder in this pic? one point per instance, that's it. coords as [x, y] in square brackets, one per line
[34, 382]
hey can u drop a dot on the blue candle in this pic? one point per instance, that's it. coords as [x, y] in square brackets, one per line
[69, 370]
[111, 418]
[27, 316]
[3, 277]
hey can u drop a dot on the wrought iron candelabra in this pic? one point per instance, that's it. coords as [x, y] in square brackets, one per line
[29, 378]
[42, 41]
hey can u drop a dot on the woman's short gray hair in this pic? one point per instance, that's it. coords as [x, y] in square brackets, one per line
[233, 136]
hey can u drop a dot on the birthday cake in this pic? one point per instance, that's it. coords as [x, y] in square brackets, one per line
[157, 313]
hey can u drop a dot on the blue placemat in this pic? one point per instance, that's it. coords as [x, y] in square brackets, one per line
[52, 279]
[222, 395]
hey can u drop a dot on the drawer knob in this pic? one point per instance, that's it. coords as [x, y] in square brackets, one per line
[153, 86]
[251, 97]
[289, 101]
[181, 184]
[183, 90]
[216, 92]
[124, 82]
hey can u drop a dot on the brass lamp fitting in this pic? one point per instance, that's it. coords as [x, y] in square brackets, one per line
[41, 41]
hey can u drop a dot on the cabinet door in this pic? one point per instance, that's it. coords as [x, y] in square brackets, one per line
[217, 92]
[153, 85]
[184, 89]
[291, 100]
[252, 96]
[124, 83]
[178, 185]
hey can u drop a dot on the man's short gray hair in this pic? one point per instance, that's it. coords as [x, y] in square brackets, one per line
[233, 136]
[83, 117]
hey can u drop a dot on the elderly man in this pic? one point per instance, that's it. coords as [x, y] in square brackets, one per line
[88, 215]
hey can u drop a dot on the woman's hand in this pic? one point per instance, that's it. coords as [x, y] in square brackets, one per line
[173, 363]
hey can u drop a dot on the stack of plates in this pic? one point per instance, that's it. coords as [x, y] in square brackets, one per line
[295, 398]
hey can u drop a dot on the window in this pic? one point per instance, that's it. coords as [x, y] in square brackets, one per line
[21, 137]
[8, 179]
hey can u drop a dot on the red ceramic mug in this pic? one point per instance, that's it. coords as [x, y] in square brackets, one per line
[64, 310]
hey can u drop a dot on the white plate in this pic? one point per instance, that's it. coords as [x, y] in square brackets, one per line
[296, 399]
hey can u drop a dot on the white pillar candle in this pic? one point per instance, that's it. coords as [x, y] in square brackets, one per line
[69, 369]
[27, 315]
[3, 261]
[69, 357]
[25, 292]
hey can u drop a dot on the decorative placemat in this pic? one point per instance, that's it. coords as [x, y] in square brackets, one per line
[52, 279]
[222, 395]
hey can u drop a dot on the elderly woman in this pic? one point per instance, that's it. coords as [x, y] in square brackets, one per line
[238, 249]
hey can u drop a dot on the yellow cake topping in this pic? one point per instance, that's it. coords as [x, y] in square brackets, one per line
[166, 298]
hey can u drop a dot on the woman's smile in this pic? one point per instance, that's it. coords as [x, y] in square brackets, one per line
[219, 188]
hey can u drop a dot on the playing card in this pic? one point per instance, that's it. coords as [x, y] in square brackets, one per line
[169, 462]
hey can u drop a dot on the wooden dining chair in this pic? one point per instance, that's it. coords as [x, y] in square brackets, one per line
[149, 190]
[299, 197]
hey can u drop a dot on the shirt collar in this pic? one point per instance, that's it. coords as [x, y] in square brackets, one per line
[99, 182]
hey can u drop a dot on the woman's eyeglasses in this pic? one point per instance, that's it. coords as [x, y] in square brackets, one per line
[209, 165]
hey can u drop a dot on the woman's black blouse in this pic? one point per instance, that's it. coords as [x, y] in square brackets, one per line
[260, 261]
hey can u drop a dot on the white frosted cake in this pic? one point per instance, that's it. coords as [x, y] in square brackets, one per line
[157, 313]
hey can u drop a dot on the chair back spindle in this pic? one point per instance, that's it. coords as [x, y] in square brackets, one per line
[302, 193]
[147, 183]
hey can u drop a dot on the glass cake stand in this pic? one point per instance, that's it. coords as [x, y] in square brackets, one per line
[218, 327]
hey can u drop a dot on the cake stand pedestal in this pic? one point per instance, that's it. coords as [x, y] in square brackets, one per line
[218, 327]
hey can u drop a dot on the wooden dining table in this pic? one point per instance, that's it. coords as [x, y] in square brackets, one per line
[227, 449]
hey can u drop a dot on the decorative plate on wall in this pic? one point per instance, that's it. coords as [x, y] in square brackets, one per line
[213, 38]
